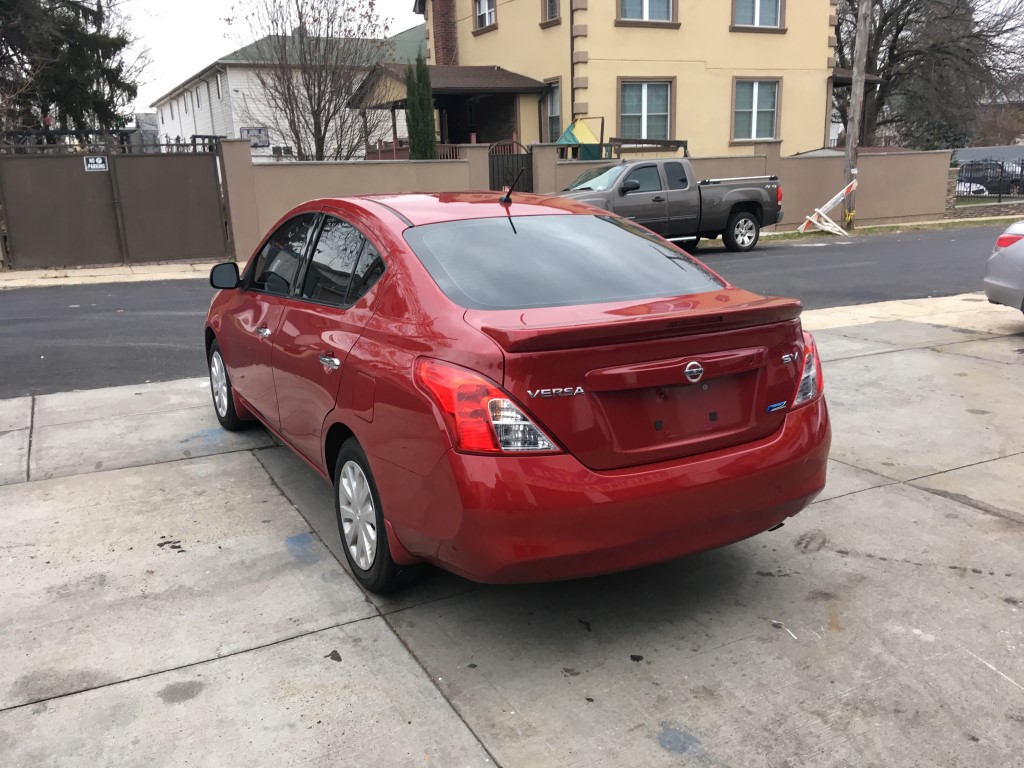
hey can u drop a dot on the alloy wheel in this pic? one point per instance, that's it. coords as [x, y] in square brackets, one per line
[744, 232]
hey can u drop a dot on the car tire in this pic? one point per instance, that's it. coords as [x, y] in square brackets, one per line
[742, 232]
[222, 391]
[361, 525]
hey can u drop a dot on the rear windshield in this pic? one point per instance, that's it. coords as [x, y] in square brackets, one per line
[553, 261]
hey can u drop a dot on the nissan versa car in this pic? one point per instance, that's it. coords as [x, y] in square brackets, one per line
[1004, 270]
[517, 390]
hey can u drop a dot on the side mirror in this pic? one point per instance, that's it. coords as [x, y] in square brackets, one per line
[224, 276]
[629, 185]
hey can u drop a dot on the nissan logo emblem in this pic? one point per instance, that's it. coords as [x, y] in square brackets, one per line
[693, 371]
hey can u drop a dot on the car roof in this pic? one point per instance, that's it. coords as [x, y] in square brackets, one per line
[418, 209]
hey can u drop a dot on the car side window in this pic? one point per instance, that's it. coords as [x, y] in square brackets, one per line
[278, 262]
[648, 176]
[334, 260]
[368, 271]
[676, 175]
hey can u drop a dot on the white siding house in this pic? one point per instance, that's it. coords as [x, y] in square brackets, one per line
[226, 99]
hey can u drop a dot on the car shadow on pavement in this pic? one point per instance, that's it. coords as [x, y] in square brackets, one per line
[674, 590]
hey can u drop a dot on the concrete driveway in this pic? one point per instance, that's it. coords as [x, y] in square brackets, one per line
[172, 595]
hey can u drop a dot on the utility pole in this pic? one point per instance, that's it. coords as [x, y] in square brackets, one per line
[856, 111]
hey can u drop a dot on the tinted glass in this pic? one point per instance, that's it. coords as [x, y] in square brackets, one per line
[649, 178]
[334, 259]
[368, 271]
[550, 261]
[676, 175]
[278, 264]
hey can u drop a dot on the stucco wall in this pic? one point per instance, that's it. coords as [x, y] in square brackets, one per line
[703, 56]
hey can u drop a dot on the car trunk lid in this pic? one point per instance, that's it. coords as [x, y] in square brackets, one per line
[624, 384]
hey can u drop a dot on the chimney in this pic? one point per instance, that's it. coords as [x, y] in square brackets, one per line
[444, 35]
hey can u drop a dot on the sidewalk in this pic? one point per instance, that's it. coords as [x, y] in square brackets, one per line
[174, 595]
[41, 278]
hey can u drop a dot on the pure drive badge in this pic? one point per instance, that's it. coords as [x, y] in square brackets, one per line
[777, 406]
[557, 392]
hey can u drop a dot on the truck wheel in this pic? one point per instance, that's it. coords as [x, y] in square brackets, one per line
[742, 233]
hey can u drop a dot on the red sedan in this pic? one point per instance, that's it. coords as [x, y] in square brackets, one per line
[517, 391]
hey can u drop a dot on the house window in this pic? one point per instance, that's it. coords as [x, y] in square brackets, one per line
[485, 13]
[756, 13]
[220, 86]
[161, 115]
[756, 105]
[184, 100]
[550, 10]
[554, 112]
[645, 110]
[171, 105]
[645, 10]
[199, 97]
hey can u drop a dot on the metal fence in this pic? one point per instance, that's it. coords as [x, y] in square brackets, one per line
[990, 180]
[92, 146]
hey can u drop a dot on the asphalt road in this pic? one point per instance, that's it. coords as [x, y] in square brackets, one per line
[88, 336]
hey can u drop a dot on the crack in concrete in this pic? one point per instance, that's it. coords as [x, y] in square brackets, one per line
[31, 433]
[980, 506]
[189, 665]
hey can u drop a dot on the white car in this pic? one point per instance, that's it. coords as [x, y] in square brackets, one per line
[969, 188]
[1004, 270]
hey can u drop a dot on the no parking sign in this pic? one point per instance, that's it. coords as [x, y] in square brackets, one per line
[95, 162]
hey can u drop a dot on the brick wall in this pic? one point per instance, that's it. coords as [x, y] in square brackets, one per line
[977, 211]
[443, 35]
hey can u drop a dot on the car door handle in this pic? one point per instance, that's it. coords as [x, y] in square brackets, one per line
[329, 362]
[263, 331]
[658, 199]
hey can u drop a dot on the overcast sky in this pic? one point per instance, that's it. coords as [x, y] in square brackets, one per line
[185, 36]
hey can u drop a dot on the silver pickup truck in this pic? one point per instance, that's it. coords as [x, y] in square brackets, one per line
[665, 196]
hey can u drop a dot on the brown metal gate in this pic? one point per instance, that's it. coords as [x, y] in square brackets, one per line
[509, 160]
[125, 209]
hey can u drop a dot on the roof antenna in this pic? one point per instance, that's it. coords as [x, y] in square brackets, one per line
[507, 197]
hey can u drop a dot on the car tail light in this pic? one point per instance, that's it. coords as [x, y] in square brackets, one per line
[778, 196]
[480, 416]
[1005, 241]
[812, 382]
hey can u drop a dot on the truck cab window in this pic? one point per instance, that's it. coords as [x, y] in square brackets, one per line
[676, 175]
[648, 176]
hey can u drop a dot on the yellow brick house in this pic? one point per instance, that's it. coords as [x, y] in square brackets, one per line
[720, 74]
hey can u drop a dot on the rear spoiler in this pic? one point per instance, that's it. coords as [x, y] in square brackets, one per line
[741, 178]
[678, 323]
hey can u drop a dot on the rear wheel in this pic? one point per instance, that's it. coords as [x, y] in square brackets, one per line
[361, 525]
[222, 391]
[742, 233]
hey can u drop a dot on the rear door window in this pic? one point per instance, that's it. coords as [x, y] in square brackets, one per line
[676, 175]
[277, 266]
[553, 260]
[334, 259]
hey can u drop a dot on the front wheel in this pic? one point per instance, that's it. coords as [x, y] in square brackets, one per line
[361, 525]
[222, 391]
[742, 233]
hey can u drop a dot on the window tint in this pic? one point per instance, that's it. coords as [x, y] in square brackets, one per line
[368, 271]
[278, 264]
[550, 261]
[648, 176]
[334, 260]
[676, 175]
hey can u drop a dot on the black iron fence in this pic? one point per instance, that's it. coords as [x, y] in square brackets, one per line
[991, 180]
[98, 145]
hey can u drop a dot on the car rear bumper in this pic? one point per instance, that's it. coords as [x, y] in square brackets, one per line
[508, 519]
[778, 216]
[1004, 279]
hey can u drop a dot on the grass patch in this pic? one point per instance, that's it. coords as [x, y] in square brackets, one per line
[880, 229]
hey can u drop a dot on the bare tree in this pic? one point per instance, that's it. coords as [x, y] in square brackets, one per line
[308, 59]
[938, 60]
